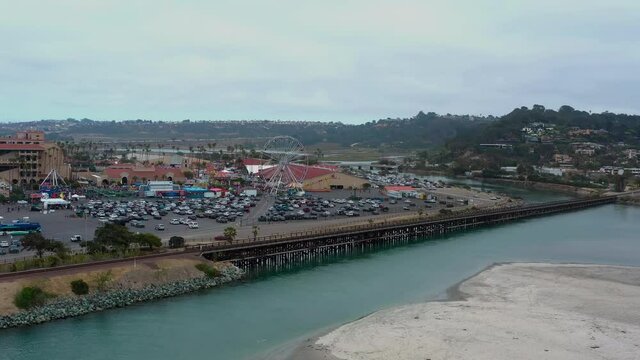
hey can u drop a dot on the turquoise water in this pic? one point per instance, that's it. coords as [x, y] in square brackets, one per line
[251, 319]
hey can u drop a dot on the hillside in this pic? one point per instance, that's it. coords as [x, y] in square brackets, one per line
[545, 137]
[420, 131]
[618, 127]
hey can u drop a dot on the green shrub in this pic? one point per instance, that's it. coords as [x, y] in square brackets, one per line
[30, 296]
[79, 287]
[208, 270]
[52, 261]
[103, 280]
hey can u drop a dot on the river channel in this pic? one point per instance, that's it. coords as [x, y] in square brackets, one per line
[264, 317]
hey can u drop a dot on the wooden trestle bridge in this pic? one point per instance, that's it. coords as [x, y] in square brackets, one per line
[284, 252]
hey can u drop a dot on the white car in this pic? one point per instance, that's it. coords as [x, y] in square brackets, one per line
[4, 243]
[76, 238]
[174, 222]
[193, 225]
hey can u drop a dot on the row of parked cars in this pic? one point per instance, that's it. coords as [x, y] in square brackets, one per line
[136, 212]
[311, 208]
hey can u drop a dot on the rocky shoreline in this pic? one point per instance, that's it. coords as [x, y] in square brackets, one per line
[76, 306]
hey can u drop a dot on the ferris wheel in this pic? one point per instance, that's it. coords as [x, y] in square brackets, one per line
[286, 164]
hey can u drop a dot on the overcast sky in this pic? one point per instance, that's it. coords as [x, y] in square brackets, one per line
[342, 60]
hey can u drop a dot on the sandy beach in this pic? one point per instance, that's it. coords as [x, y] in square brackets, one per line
[508, 311]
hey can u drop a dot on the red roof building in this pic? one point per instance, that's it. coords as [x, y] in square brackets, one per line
[299, 172]
[253, 161]
[317, 178]
[130, 173]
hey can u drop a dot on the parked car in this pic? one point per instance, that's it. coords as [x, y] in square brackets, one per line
[193, 225]
[174, 222]
[3, 251]
[4, 244]
[160, 227]
[14, 249]
[76, 238]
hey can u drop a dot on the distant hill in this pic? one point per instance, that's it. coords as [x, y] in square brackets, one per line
[419, 132]
[618, 127]
[425, 131]
[535, 135]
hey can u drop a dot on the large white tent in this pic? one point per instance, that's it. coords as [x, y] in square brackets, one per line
[47, 202]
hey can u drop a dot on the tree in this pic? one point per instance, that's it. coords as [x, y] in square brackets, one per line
[188, 174]
[112, 236]
[16, 194]
[176, 242]
[231, 233]
[147, 240]
[255, 231]
[36, 242]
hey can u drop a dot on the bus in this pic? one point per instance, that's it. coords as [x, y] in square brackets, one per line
[19, 228]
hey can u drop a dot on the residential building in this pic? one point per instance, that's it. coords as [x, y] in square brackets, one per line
[562, 159]
[632, 153]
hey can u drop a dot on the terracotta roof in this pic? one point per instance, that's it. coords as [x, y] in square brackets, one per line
[252, 161]
[299, 172]
[20, 147]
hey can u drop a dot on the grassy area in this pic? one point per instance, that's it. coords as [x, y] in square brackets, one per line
[335, 152]
[55, 260]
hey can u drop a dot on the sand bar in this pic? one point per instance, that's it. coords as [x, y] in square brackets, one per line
[509, 311]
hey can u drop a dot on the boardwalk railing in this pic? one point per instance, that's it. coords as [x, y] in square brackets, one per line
[388, 224]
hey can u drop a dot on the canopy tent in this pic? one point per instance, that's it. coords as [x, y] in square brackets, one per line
[55, 201]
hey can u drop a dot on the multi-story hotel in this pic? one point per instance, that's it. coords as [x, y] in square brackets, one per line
[27, 158]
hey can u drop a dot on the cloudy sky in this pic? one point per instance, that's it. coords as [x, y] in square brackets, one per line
[341, 60]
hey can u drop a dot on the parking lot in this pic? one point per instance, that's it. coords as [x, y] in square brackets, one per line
[271, 215]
